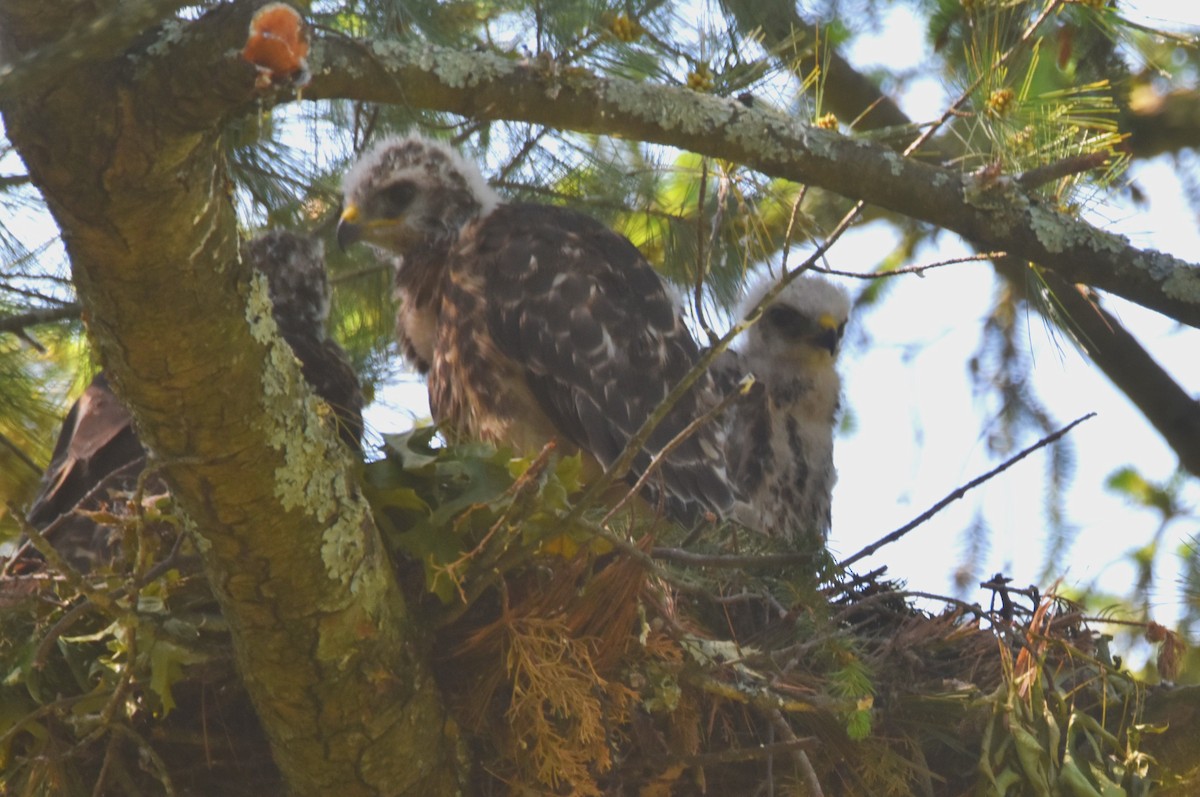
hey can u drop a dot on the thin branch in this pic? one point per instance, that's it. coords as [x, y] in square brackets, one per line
[960, 492]
[731, 561]
[8, 181]
[72, 616]
[92, 493]
[60, 565]
[953, 110]
[687, 431]
[918, 270]
[702, 257]
[756, 753]
[1077, 164]
[359, 273]
[17, 324]
[20, 454]
[799, 757]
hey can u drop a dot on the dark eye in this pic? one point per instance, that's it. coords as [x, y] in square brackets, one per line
[785, 319]
[393, 200]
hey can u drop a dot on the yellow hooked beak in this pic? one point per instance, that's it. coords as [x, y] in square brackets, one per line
[830, 334]
[349, 231]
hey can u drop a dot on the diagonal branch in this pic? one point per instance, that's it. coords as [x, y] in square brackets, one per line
[1157, 124]
[959, 492]
[1162, 400]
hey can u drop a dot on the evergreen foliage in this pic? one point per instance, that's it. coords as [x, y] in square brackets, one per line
[491, 630]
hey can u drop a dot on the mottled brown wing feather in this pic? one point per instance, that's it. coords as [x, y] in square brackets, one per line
[97, 438]
[595, 335]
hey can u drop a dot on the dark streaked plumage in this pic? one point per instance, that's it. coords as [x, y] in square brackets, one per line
[98, 452]
[779, 437]
[534, 322]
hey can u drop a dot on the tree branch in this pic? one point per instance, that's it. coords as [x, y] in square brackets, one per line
[959, 492]
[1168, 407]
[992, 213]
[43, 315]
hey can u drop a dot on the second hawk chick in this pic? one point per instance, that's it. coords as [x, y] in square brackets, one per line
[779, 437]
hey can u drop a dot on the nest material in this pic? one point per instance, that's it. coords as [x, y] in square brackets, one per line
[580, 663]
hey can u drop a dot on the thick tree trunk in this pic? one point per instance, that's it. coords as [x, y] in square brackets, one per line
[132, 173]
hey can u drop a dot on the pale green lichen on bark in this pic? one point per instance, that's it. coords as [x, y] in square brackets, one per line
[169, 33]
[312, 477]
[1183, 283]
[895, 163]
[454, 69]
[1058, 232]
[678, 110]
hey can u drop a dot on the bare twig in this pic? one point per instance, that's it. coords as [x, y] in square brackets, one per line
[731, 561]
[365, 271]
[49, 530]
[55, 560]
[845, 586]
[960, 492]
[45, 710]
[1075, 164]
[919, 270]
[799, 757]
[701, 257]
[19, 453]
[72, 616]
[677, 440]
[756, 753]
[43, 315]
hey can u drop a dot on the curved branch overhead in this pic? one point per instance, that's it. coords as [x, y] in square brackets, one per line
[989, 212]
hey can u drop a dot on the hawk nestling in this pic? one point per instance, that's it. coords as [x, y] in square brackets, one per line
[532, 321]
[98, 451]
[779, 437]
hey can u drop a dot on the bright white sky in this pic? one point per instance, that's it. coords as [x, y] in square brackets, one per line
[918, 428]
